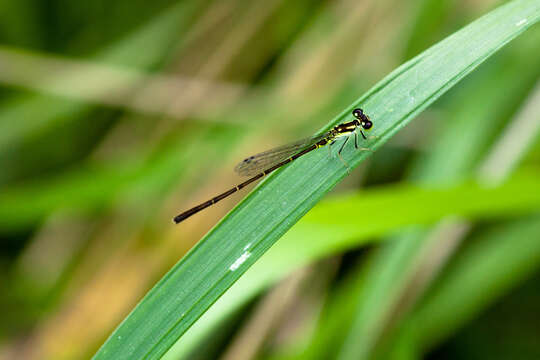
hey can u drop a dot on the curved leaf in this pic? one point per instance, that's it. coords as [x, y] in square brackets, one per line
[248, 231]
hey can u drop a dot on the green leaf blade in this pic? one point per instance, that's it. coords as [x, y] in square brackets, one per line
[226, 252]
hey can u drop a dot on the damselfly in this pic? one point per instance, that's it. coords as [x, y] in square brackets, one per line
[264, 163]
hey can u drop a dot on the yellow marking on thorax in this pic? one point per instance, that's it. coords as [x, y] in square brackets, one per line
[342, 134]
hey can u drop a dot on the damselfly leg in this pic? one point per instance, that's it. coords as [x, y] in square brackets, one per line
[341, 157]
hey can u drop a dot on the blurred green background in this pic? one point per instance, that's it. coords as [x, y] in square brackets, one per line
[115, 116]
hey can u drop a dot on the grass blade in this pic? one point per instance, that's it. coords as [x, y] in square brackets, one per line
[497, 261]
[226, 252]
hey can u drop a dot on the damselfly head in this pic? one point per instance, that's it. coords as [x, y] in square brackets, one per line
[358, 113]
[365, 121]
[366, 124]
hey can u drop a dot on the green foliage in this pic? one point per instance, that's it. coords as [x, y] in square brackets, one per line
[114, 116]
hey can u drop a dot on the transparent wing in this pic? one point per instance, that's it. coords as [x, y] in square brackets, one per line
[256, 164]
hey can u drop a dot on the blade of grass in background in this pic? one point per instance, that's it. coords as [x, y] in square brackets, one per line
[38, 114]
[499, 260]
[327, 230]
[196, 282]
[496, 261]
[92, 187]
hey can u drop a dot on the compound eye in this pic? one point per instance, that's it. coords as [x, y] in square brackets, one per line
[357, 113]
[366, 124]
